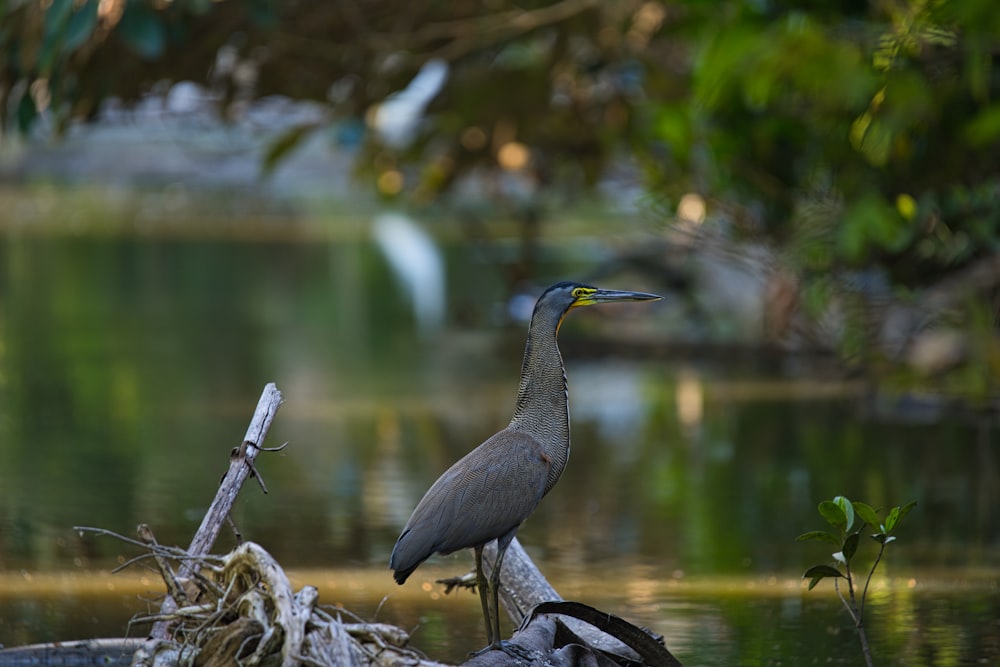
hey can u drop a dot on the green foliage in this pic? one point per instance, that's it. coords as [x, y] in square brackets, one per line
[864, 106]
[286, 142]
[143, 30]
[842, 515]
[854, 139]
[757, 105]
[847, 136]
[850, 519]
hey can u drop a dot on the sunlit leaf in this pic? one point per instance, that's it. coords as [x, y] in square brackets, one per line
[870, 135]
[833, 514]
[848, 508]
[866, 513]
[840, 558]
[907, 206]
[818, 536]
[891, 518]
[673, 125]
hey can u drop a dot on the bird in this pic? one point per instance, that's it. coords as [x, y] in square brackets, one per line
[487, 494]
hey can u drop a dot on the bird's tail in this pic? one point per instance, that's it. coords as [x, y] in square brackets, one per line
[402, 575]
[406, 557]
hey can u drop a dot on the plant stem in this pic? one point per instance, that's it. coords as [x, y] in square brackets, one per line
[855, 612]
[843, 600]
[864, 645]
[864, 593]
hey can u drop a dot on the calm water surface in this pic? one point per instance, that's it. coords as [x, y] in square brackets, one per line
[130, 367]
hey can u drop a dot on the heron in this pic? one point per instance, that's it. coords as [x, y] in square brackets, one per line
[487, 494]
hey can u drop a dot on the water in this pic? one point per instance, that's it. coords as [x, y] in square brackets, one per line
[129, 366]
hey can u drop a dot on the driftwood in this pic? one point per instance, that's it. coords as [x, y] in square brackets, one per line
[241, 609]
[570, 633]
[241, 466]
[115, 652]
[247, 613]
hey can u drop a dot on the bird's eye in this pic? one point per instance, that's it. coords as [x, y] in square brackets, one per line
[581, 291]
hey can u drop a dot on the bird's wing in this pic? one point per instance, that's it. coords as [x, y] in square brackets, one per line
[484, 495]
[496, 487]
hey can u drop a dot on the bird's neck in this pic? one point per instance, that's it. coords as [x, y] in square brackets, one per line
[542, 399]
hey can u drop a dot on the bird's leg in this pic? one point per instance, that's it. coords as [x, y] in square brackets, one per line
[493, 611]
[483, 593]
[495, 594]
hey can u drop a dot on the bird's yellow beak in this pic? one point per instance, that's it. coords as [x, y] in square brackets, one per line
[588, 296]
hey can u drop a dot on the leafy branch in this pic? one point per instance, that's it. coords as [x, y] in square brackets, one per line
[849, 521]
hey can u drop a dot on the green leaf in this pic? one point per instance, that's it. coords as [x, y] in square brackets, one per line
[820, 571]
[866, 513]
[984, 127]
[869, 224]
[285, 143]
[56, 17]
[818, 536]
[904, 510]
[27, 112]
[81, 26]
[142, 29]
[833, 513]
[673, 125]
[872, 137]
[848, 508]
[851, 546]
[891, 519]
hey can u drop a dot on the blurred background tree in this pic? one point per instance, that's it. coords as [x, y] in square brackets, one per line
[850, 149]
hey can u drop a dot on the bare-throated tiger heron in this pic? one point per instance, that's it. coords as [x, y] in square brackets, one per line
[490, 491]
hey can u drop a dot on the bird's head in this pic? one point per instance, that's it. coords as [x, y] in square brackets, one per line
[562, 297]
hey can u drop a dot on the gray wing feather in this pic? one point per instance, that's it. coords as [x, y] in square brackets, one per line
[484, 495]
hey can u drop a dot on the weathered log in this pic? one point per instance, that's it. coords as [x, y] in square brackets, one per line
[523, 589]
[241, 466]
[523, 586]
[115, 652]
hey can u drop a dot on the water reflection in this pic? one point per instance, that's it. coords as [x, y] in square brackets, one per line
[418, 266]
[716, 621]
[128, 368]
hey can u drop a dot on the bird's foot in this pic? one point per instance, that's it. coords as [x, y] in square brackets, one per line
[467, 580]
[510, 648]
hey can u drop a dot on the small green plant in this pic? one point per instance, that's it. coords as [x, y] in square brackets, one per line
[849, 521]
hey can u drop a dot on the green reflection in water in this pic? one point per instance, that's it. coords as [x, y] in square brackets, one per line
[703, 625]
[128, 368]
